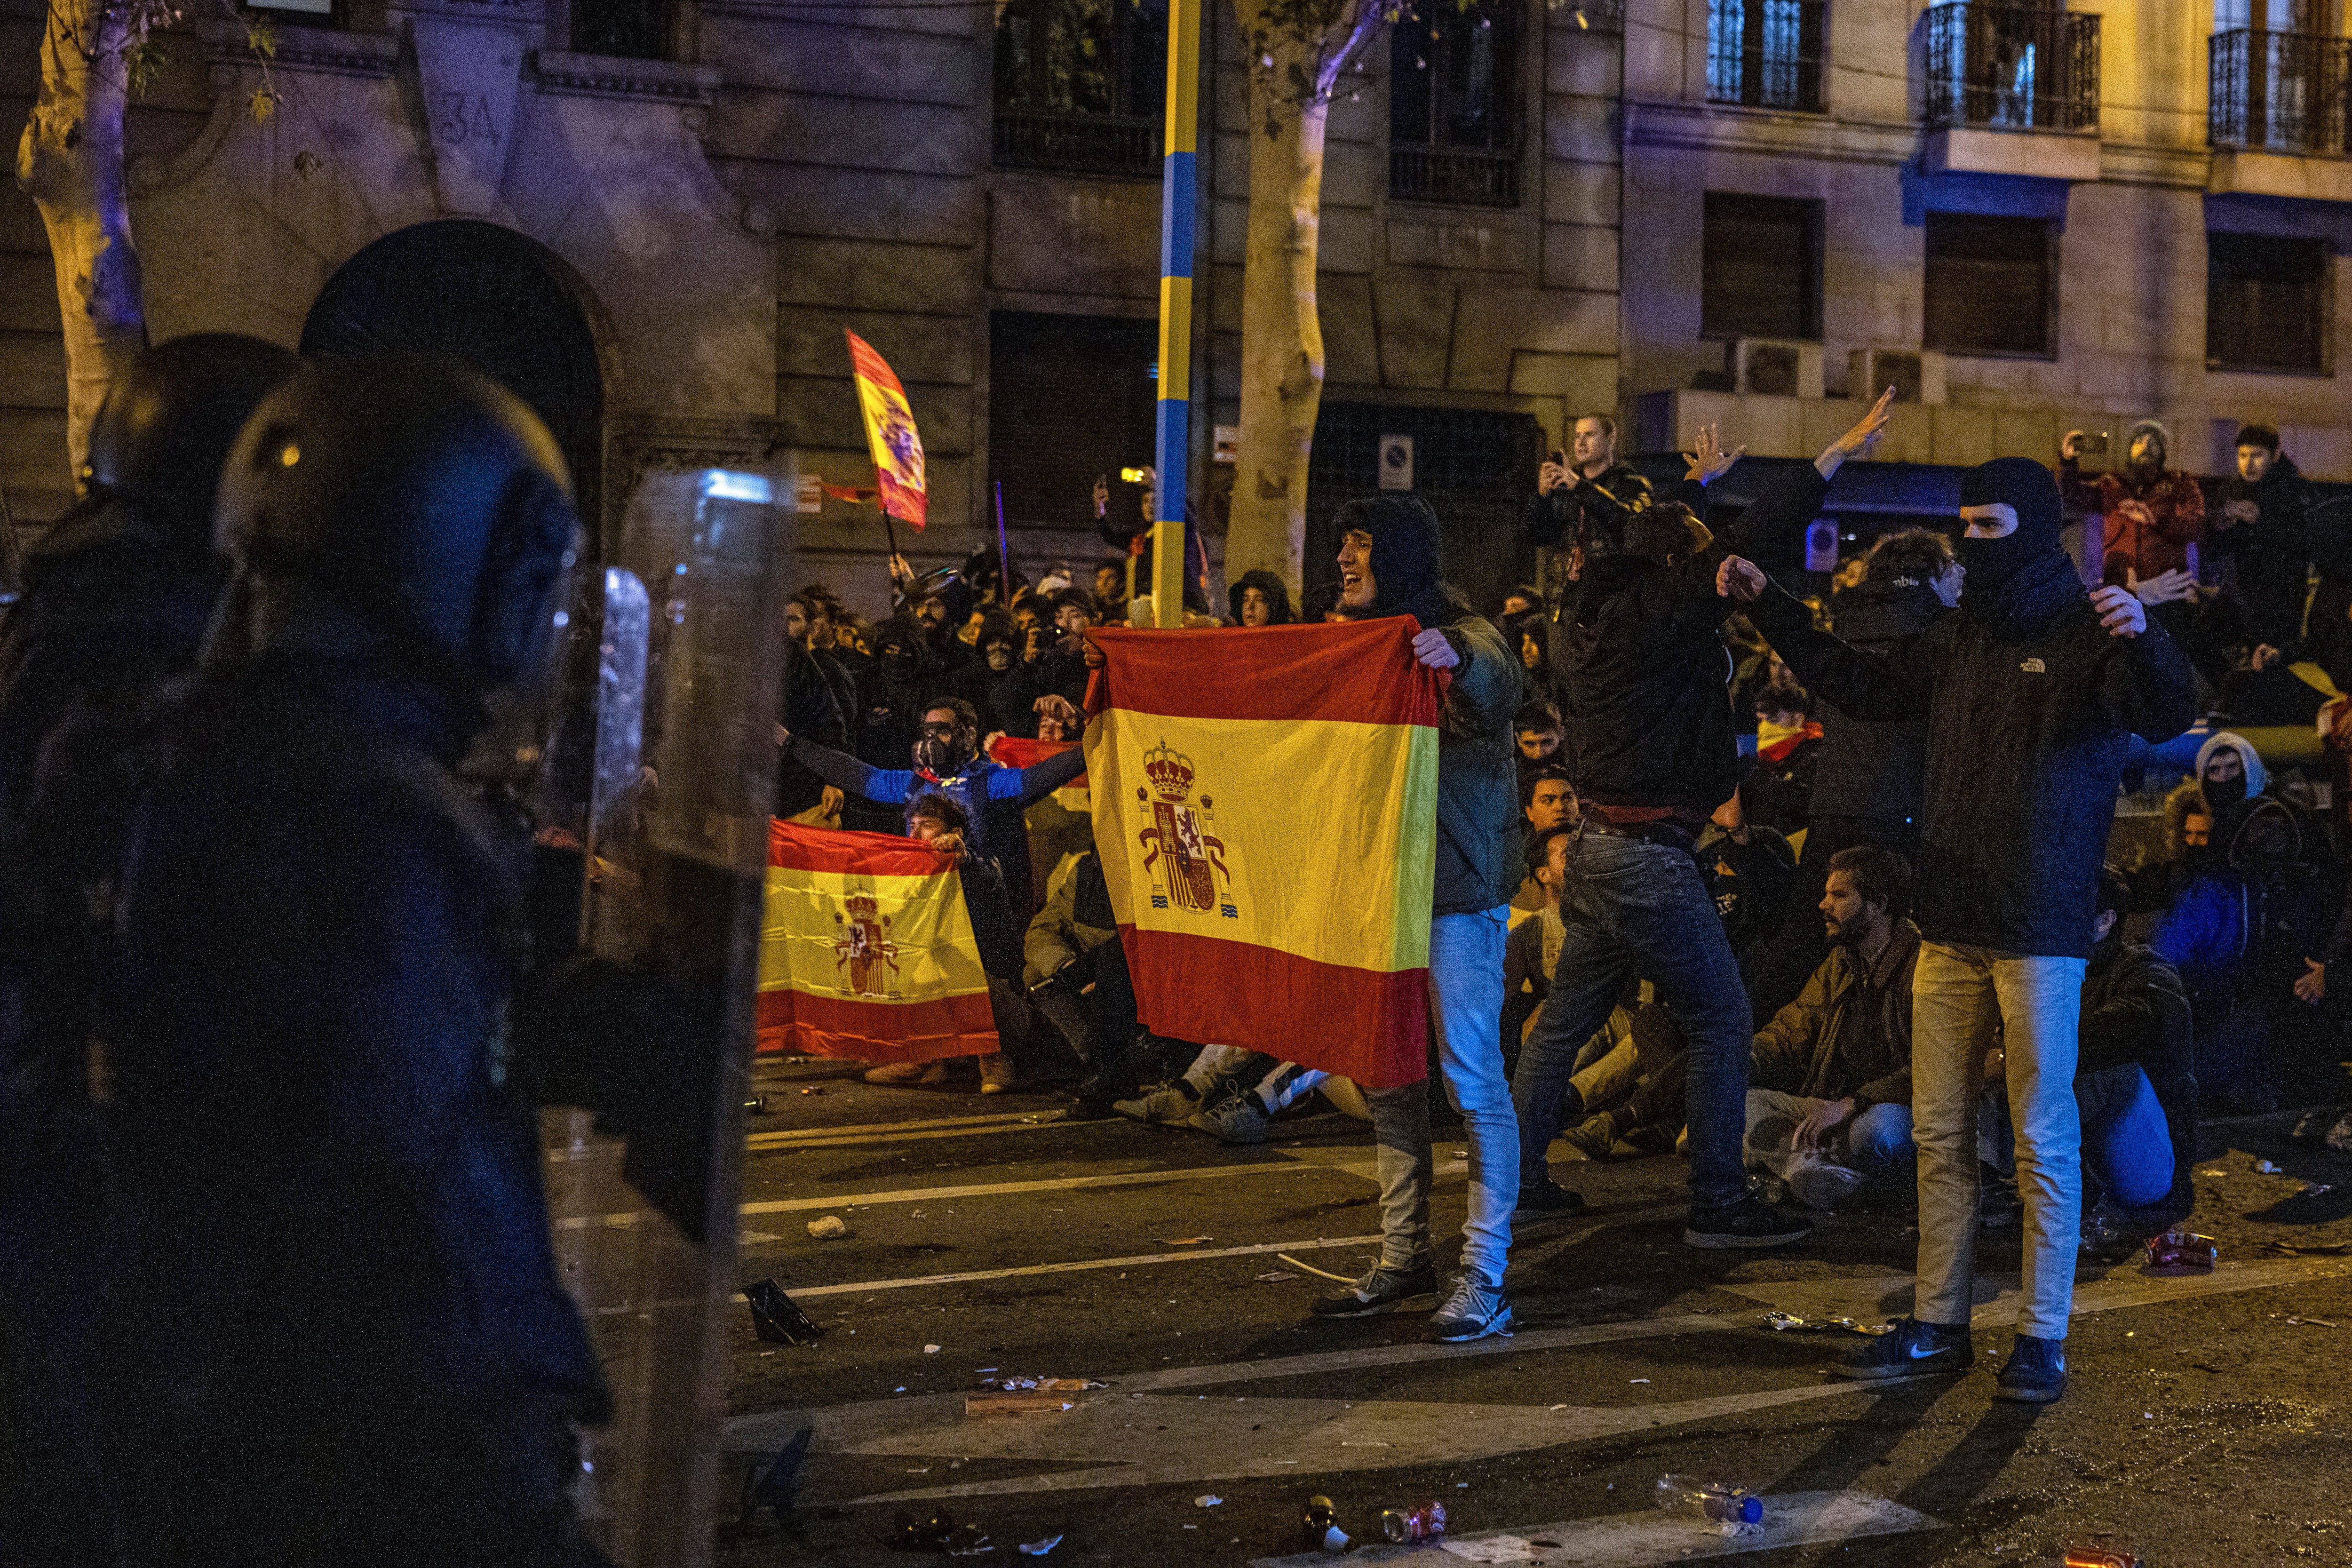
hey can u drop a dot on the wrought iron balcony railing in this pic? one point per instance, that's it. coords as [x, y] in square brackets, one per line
[2279, 92]
[1123, 145]
[2012, 67]
[1461, 176]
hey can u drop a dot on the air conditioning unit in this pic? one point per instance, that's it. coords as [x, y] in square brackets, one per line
[1915, 375]
[1770, 367]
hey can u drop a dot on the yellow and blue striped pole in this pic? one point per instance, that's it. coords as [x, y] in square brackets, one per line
[1173, 445]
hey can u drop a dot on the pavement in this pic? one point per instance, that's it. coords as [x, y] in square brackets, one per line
[2208, 1423]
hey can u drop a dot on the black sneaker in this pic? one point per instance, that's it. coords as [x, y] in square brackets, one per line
[1912, 1348]
[1746, 1223]
[2035, 1374]
[1594, 1137]
[1384, 1289]
[1542, 1200]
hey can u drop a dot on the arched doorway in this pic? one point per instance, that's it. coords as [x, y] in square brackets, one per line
[498, 300]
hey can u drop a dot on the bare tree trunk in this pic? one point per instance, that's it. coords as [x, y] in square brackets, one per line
[1296, 60]
[1282, 335]
[70, 162]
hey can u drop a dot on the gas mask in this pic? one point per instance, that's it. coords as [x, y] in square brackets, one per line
[942, 748]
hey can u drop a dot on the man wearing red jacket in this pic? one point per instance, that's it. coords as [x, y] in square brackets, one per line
[2154, 515]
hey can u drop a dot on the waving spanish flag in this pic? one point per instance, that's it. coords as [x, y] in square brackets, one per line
[1266, 804]
[890, 435]
[865, 950]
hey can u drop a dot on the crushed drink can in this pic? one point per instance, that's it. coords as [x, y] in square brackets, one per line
[2181, 1252]
[1412, 1526]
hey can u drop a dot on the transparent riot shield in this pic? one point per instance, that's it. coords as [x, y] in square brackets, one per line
[679, 774]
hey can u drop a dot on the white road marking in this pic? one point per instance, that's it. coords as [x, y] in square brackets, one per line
[762, 1137]
[1998, 1299]
[1187, 1256]
[1635, 1540]
[1047, 1185]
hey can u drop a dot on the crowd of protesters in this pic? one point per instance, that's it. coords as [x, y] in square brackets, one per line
[1813, 877]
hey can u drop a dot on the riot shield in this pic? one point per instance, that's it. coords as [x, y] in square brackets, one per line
[687, 675]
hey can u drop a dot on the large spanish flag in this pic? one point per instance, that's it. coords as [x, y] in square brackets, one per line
[866, 951]
[1266, 804]
[890, 437]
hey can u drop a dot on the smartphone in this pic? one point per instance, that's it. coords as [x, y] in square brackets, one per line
[1557, 456]
[1135, 476]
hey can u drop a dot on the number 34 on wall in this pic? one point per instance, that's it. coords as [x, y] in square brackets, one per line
[459, 117]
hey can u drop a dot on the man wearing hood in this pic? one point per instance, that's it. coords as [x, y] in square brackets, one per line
[2229, 770]
[1388, 566]
[2155, 515]
[1639, 661]
[2029, 693]
[2262, 527]
[1260, 599]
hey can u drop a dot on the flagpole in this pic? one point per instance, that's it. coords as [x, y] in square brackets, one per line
[1003, 554]
[1172, 430]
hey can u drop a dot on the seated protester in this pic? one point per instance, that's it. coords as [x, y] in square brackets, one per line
[1750, 872]
[2134, 1073]
[1054, 665]
[1535, 727]
[2229, 770]
[1529, 636]
[1829, 1097]
[1230, 1093]
[1532, 949]
[2244, 932]
[1548, 801]
[1058, 951]
[1633, 1096]
[947, 761]
[1778, 788]
[943, 823]
[1260, 599]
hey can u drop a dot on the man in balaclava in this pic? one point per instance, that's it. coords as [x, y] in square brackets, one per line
[2031, 694]
[1388, 566]
[328, 1188]
[117, 596]
[2153, 514]
[1639, 661]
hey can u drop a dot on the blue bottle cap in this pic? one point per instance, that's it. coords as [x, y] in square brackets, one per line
[1751, 1509]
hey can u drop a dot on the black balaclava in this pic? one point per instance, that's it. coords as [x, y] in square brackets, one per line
[1404, 556]
[2029, 488]
[2221, 795]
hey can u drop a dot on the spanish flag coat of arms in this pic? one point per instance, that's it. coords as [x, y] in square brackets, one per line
[1266, 807]
[890, 436]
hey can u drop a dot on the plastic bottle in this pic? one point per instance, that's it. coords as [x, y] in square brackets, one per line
[1703, 1498]
[1410, 1526]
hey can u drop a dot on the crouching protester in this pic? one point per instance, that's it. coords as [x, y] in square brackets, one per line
[1388, 566]
[2030, 689]
[1829, 1097]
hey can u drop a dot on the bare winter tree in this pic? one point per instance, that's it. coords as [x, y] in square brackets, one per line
[1298, 51]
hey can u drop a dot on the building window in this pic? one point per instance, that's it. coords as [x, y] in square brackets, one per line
[2266, 304]
[1082, 85]
[1991, 285]
[632, 29]
[1765, 53]
[1070, 399]
[1761, 268]
[2020, 67]
[2278, 76]
[1454, 104]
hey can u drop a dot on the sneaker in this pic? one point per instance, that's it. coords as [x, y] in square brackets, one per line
[1822, 1185]
[1745, 1224]
[1474, 1311]
[1546, 1199]
[902, 1074]
[1595, 1137]
[996, 1073]
[1237, 1119]
[1913, 1348]
[1169, 1103]
[2035, 1372]
[1384, 1289]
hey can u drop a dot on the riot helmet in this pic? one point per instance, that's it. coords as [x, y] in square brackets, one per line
[420, 496]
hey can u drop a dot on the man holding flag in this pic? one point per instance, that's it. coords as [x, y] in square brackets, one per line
[1388, 566]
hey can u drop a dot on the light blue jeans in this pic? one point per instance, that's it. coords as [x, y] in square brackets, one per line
[1875, 1144]
[1465, 1006]
[1959, 995]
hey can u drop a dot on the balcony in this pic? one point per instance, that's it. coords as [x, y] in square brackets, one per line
[1123, 146]
[2012, 90]
[1764, 53]
[2277, 117]
[1456, 176]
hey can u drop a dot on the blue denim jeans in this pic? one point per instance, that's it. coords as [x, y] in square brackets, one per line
[1466, 1005]
[1634, 907]
[1876, 1143]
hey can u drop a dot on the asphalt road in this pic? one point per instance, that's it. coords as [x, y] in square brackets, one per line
[994, 1239]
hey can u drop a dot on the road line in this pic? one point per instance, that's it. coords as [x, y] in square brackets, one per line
[1637, 1539]
[1137, 1262]
[1998, 1300]
[1047, 1184]
[999, 1118]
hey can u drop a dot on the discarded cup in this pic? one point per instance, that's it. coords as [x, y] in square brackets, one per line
[2099, 1557]
[2180, 1251]
[774, 1318]
[832, 1227]
[1408, 1526]
[1703, 1498]
[756, 1105]
[1316, 1519]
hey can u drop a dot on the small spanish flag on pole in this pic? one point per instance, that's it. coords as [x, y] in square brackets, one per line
[890, 435]
[1266, 804]
[866, 951]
